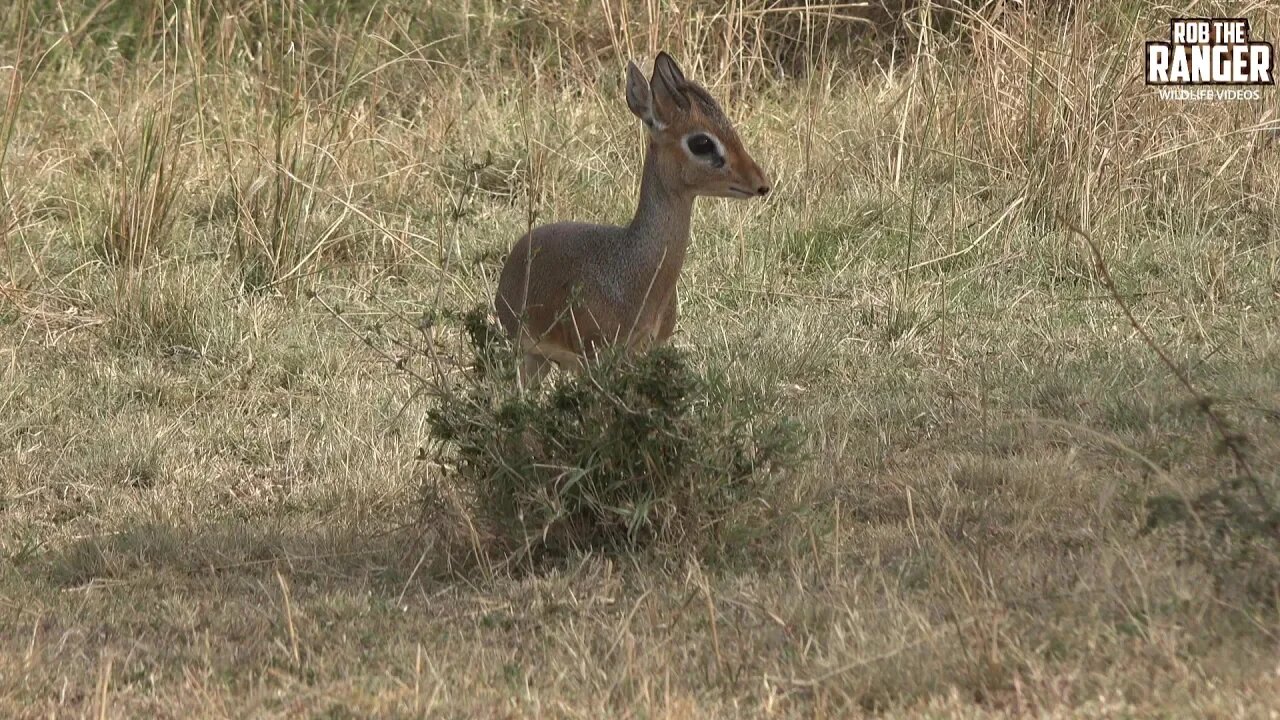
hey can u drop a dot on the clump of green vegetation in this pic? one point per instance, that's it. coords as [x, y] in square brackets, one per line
[632, 452]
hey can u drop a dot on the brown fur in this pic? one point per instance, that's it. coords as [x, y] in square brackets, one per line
[568, 288]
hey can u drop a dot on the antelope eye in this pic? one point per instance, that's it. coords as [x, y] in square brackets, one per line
[701, 145]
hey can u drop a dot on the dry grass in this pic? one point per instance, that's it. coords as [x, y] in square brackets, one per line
[208, 483]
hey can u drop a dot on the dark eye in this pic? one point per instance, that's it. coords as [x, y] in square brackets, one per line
[701, 145]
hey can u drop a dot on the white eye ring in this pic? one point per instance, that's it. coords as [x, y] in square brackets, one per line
[717, 154]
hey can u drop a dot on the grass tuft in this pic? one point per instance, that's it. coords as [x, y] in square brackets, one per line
[144, 193]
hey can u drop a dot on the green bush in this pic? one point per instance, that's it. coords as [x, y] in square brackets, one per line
[632, 452]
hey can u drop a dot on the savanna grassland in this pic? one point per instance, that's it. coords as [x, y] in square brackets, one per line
[222, 223]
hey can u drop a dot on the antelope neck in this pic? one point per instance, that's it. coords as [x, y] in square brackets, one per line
[660, 229]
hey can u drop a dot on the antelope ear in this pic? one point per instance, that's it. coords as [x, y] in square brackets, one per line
[665, 66]
[639, 97]
[668, 84]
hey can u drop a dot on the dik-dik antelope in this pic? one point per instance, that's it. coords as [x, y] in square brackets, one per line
[569, 287]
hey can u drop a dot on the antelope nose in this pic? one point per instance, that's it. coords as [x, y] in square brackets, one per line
[762, 190]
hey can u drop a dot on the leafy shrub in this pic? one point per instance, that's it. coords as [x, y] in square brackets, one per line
[632, 452]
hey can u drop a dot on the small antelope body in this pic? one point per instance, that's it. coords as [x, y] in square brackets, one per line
[568, 288]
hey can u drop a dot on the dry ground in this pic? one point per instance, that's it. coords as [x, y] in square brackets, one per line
[208, 482]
